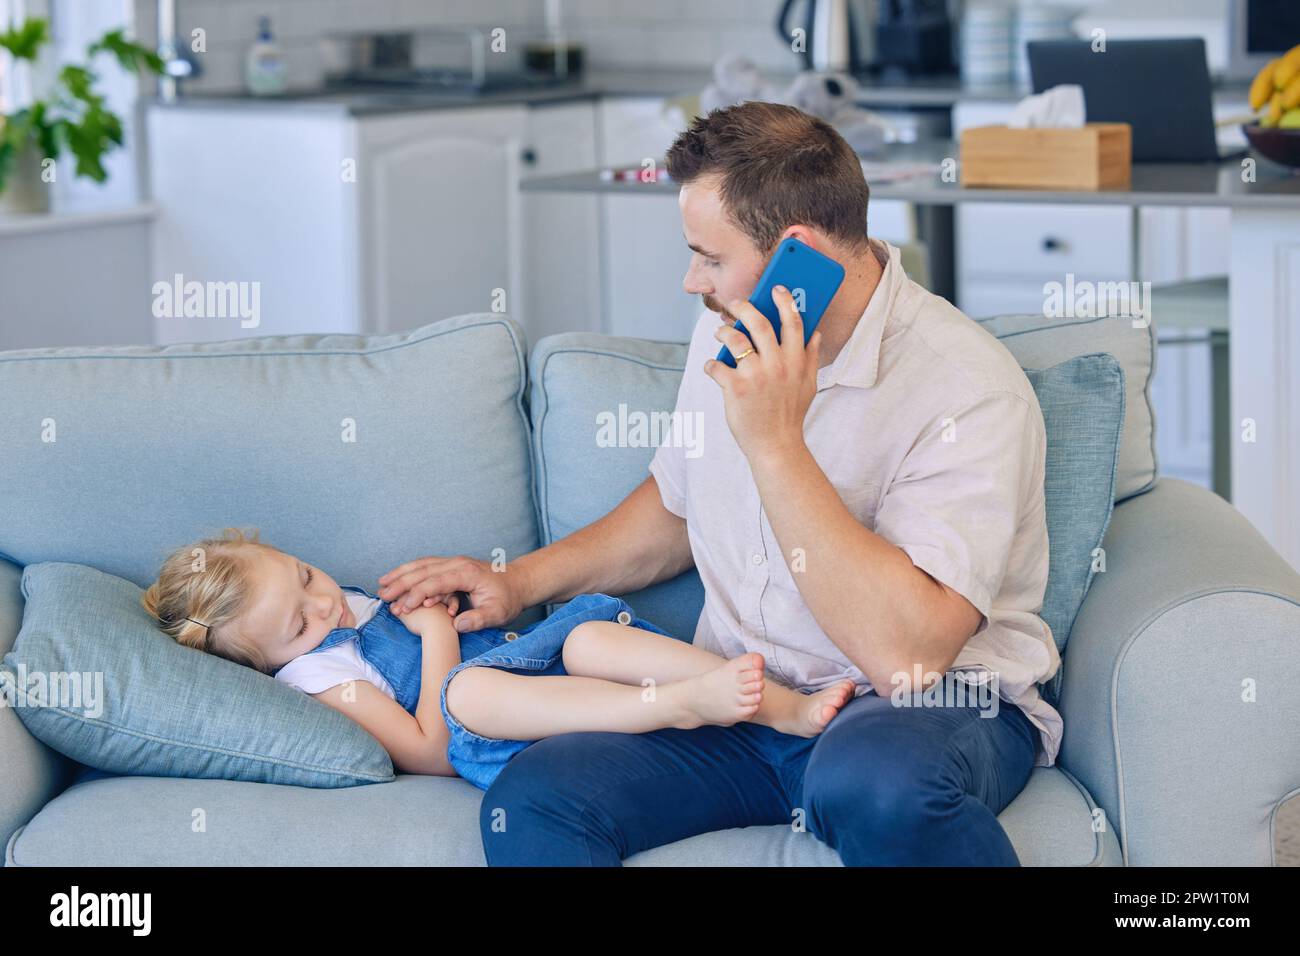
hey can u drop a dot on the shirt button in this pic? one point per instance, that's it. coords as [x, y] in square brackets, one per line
[757, 558]
[511, 635]
[624, 617]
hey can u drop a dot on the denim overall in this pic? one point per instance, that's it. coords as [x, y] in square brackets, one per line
[386, 644]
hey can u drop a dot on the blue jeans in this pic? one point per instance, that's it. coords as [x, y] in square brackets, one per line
[882, 785]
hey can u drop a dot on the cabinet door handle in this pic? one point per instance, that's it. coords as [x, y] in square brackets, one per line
[1052, 244]
[529, 156]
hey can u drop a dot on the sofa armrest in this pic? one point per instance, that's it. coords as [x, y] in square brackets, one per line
[1180, 692]
[31, 774]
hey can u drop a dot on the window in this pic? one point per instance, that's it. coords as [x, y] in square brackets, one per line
[74, 25]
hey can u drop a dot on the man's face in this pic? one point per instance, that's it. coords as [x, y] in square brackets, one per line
[725, 264]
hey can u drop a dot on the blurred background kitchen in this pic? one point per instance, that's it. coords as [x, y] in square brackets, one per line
[375, 165]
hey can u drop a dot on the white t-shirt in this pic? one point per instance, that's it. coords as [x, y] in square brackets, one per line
[316, 671]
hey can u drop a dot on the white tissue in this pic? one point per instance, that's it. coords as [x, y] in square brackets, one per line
[832, 96]
[736, 79]
[1059, 106]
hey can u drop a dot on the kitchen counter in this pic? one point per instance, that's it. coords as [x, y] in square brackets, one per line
[940, 92]
[1153, 184]
[926, 92]
[376, 100]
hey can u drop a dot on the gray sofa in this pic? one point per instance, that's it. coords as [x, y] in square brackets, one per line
[485, 444]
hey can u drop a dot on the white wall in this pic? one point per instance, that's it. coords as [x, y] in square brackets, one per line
[1125, 19]
[75, 279]
[82, 285]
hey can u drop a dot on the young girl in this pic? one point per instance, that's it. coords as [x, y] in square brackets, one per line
[591, 666]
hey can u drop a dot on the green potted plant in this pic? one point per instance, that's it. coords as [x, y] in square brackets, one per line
[70, 117]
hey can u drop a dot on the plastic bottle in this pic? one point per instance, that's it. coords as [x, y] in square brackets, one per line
[264, 67]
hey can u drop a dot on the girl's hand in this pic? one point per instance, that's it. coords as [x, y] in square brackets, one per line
[496, 596]
[422, 620]
[452, 604]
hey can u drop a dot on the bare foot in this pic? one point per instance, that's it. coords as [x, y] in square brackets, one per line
[808, 714]
[724, 696]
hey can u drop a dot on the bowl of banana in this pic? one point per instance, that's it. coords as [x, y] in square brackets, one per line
[1275, 99]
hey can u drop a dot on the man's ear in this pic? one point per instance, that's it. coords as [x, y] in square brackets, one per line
[802, 233]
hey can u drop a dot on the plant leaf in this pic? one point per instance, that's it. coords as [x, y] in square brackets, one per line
[25, 40]
[79, 81]
[131, 55]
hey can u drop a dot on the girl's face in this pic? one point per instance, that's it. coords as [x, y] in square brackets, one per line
[294, 607]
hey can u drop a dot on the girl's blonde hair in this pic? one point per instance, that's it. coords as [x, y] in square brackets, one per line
[208, 583]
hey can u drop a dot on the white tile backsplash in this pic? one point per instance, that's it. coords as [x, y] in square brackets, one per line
[686, 34]
[681, 46]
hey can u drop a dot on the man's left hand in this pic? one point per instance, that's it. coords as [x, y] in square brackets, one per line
[769, 391]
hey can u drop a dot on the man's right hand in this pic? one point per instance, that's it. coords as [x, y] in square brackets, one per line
[497, 596]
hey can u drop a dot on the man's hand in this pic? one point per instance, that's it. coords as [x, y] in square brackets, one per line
[768, 393]
[497, 596]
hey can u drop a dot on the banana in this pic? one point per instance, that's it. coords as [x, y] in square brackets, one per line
[1291, 95]
[1274, 113]
[1287, 69]
[1262, 86]
[1290, 119]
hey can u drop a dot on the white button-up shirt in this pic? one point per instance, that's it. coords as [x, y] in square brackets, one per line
[931, 434]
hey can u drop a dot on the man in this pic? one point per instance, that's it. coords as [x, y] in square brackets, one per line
[870, 507]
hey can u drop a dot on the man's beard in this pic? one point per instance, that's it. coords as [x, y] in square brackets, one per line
[715, 306]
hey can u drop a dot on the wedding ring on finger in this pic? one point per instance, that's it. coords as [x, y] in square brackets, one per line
[747, 351]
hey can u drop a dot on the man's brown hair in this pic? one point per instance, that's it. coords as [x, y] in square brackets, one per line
[779, 166]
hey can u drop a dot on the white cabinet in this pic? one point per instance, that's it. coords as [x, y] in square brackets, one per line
[1006, 252]
[562, 285]
[644, 253]
[373, 223]
[256, 196]
[440, 216]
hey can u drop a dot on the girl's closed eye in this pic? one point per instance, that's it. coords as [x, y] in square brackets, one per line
[303, 630]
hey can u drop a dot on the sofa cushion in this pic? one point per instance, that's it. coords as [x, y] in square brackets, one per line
[91, 676]
[580, 383]
[353, 452]
[1040, 342]
[1083, 412]
[434, 821]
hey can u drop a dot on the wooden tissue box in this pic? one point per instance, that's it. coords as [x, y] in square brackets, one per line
[1093, 156]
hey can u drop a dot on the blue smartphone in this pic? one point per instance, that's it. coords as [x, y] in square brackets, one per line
[802, 270]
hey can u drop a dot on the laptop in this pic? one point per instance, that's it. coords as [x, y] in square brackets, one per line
[1159, 87]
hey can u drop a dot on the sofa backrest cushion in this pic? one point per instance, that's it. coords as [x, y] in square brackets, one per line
[1038, 341]
[92, 677]
[1083, 402]
[584, 464]
[353, 452]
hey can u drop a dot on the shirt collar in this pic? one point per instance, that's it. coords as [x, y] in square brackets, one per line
[859, 358]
